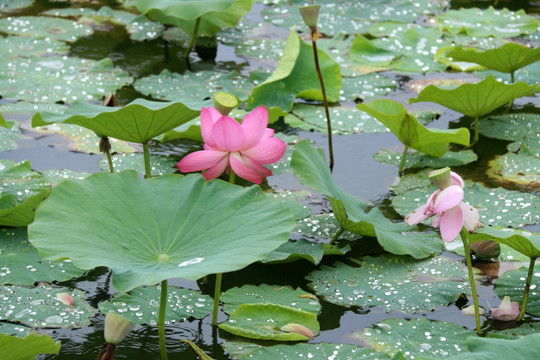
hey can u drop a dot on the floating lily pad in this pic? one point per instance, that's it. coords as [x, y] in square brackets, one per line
[415, 337]
[512, 283]
[159, 165]
[417, 160]
[39, 307]
[18, 46]
[316, 351]
[497, 206]
[366, 87]
[291, 199]
[15, 330]
[55, 176]
[408, 182]
[141, 305]
[9, 135]
[522, 168]
[490, 22]
[23, 107]
[525, 329]
[323, 227]
[527, 74]
[304, 249]
[55, 79]
[43, 27]
[15, 348]
[273, 294]
[506, 252]
[525, 242]
[511, 126]
[531, 143]
[154, 242]
[21, 264]
[265, 321]
[395, 283]
[10, 5]
[264, 50]
[296, 76]
[70, 12]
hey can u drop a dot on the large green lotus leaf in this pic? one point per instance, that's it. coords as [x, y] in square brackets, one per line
[525, 242]
[159, 165]
[165, 227]
[309, 166]
[139, 121]
[322, 227]
[59, 79]
[293, 200]
[44, 27]
[15, 348]
[411, 181]
[491, 22]
[365, 52]
[315, 351]
[511, 126]
[21, 264]
[141, 305]
[531, 143]
[20, 214]
[23, 107]
[522, 168]
[410, 132]
[19, 46]
[415, 337]
[10, 5]
[528, 74]
[476, 100]
[365, 87]
[9, 134]
[508, 58]
[190, 86]
[417, 160]
[395, 283]
[512, 283]
[264, 321]
[295, 76]
[304, 249]
[215, 14]
[267, 51]
[523, 330]
[15, 330]
[55, 176]
[39, 307]
[273, 294]
[497, 206]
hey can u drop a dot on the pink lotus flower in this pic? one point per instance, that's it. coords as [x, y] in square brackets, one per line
[228, 145]
[445, 204]
[507, 311]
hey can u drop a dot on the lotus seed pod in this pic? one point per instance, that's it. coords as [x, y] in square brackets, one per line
[310, 15]
[441, 178]
[224, 102]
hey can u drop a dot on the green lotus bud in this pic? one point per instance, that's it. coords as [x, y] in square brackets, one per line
[117, 328]
[224, 102]
[485, 249]
[299, 329]
[310, 14]
[441, 177]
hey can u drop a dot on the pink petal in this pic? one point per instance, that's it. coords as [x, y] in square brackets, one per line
[218, 169]
[451, 224]
[418, 215]
[254, 126]
[244, 170]
[65, 299]
[507, 311]
[429, 203]
[448, 199]
[228, 134]
[200, 160]
[267, 151]
[258, 168]
[456, 179]
[436, 221]
[209, 116]
[471, 217]
[268, 133]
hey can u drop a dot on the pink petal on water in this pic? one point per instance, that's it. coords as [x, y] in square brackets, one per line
[448, 199]
[267, 151]
[200, 160]
[254, 126]
[65, 299]
[507, 311]
[451, 224]
[228, 134]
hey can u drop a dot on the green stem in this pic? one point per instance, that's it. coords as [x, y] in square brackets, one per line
[232, 176]
[512, 77]
[109, 159]
[193, 38]
[217, 293]
[336, 236]
[147, 169]
[475, 131]
[161, 320]
[325, 100]
[403, 156]
[467, 251]
[511, 102]
[526, 291]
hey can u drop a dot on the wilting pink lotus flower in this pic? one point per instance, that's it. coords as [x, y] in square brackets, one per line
[507, 311]
[451, 214]
[228, 145]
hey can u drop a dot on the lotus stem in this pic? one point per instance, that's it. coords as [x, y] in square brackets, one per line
[161, 320]
[336, 236]
[147, 168]
[217, 293]
[467, 251]
[105, 147]
[403, 156]
[511, 102]
[109, 159]
[314, 36]
[527, 288]
[476, 135]
[193, 38]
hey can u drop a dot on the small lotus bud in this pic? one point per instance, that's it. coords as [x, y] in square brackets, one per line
[225, 102]
[65, 299]
[310, 14]
[485, 249]
[299, 329]
[441, 178]
[117, 328]
[469, 311]
[507, 311]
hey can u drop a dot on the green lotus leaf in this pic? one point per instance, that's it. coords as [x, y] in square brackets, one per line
[3, 122]
[410, 132]
[322, 227]
[528, 74]
[292, 200]
[508, 58]
[511, 127]
[139, 121]
[442, 56]
[415, 337]
[417, 160]
[265, 321]
[141, 305]
[507, 254]
[304, 249]
[401, 283]
[316, 351]
[9, 133]
[309, 166]
[19, 46]
[55, 176]
[523, 330]
[476, 100]
[20, 214]
[15, 348]
[39, 307]
[44, 27]
[214, 14]
[491, 22]
[159, 165]
[23, 107]
[273, 294]
[365, 87]
[365, 52]
[10, 5]
[522, 168]
[512, 283]
[295, 76]
[165, 227]
[525, 242]
[21, 331]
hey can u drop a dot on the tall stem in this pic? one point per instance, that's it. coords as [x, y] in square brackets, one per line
[467, 251]
[403, 156]
[161, 320]
[109, 159]
[526, 291]
[328, 124]
[475, 131]
[147, 169]
[336, 236]
[217, 293]
[193, 38]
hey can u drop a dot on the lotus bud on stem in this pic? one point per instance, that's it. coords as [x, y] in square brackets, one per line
[225, 102]
[116, 329]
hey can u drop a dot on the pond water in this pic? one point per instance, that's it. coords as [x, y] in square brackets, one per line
[356, 171]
